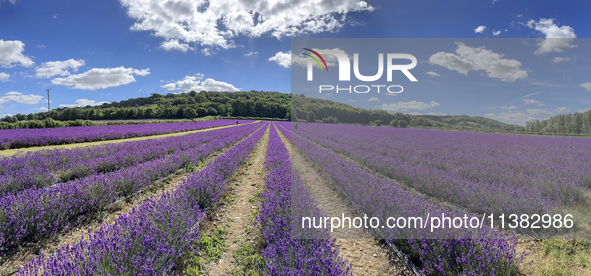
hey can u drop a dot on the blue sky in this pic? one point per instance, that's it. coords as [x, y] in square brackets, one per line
[91, 52]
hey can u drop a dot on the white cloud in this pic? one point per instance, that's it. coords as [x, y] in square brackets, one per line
[283, 59]
[189, 83]
[496, 33]
[42, 109]
[556, 39]
[4, 77]
[351, 100]
[373, 99]
[520, 15]
[415, 113]
[508, 107]
[11, 53]
[173, 44]
[100, 78]
[83, 103]
[432, 74]
[560, 59]
[437, 113]
[586, 85]
[403, 106]
[469, 58]
[511, 118]
[20, 98]
[4, 115]
[251, 54]
[530, 101]
[561, 110]
[582, 110]
[539, 112]
[216, 23]
[53, 68]
[480, 29]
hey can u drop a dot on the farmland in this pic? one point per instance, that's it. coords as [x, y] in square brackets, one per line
[230, 201]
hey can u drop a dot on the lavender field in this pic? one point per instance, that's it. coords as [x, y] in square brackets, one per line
[23, 138]
[475, 172]
[380, 172]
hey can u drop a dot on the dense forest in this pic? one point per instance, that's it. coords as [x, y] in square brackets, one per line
[563, 123]
[175, 106]
[253, 104]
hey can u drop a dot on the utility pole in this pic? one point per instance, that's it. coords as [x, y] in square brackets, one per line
[48, 114]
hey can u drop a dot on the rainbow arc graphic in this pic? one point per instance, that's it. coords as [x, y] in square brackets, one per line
[317, 54]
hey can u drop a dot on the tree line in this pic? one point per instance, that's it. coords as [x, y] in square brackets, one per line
[579, 123]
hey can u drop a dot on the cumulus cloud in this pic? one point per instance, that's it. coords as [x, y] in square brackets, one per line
[582, 110]
[189, 83]
[561, 110]
[468, 58]
[539, 112]
[100, 78]
[480, 29]
[20, 98]
[508, 107]
[53, 68]
[560, 59]
[83, 103]
[42, 109]
[216, 23]
[496, 33]
[373, 99]
[437, 113]
[530, 101]
[174, 44]
[4, 77]
[250, 54]
[283, 59]
[11, 54]
[432, 74]
[404, 106]
[518, 118]
[556, 39]
[586, 85]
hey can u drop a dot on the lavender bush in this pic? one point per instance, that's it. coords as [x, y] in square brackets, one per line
[149, 239]
[286, 254]
[440, 254]
[34, 213]
[39, 168]
[22, 138]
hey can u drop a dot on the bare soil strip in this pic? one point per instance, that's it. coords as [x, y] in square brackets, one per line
[74, 235]
[10, 152]
[368, 256]
[238, 214]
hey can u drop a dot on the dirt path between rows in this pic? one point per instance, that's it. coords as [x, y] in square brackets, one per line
[367, 255]
[237, 216]
[74, 235]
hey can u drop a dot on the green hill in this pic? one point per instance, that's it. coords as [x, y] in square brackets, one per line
[253, 104]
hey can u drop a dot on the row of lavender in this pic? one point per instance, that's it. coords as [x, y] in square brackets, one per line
[34, 213]
[484, 173]
[283, 195]
[41, 168]
[23, 138]
[150, 239]
[483, 253]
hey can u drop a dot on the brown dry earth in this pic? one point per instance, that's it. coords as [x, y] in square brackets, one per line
[75, 234]
[367, 255]
[237, 216]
